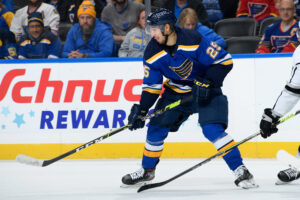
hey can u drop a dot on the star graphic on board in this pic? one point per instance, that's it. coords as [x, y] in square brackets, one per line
[31, 113]
[5, 111]
[19, 120]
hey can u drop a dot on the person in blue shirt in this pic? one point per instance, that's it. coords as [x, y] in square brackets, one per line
[192, 66]
[8, 46]
[90, 38]
[9, 4]
[6, 16]
[214, 10]
[188, 19]
[38, 41]
[178, 5]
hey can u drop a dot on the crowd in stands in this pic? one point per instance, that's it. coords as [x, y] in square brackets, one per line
[116, 28]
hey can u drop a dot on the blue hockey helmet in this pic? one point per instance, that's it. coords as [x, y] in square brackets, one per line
[160, 17]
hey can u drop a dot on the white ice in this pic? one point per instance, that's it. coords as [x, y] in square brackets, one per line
[101, 179]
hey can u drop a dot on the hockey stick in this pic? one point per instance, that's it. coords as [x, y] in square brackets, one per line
[42, 163]
[154, 185]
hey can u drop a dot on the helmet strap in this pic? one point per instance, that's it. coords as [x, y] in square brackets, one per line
[167, 36]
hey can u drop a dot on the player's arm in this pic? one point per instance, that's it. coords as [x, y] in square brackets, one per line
[151, 88]
[219, 64]
[218, 60]
[287, 99]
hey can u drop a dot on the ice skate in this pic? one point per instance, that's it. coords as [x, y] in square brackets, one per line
[287, 176]
[244, 178]
[138, 178]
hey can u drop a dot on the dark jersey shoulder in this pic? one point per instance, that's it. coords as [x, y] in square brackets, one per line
[184, 37]
[152, 49]
[188, 37]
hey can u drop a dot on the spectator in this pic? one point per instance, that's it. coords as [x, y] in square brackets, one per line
[65, 8]
[8, 4]
[188, 19]
[90, 37]
[123, 15]
[38, 42]
[50, 17]
[297, 5]
[8, 46]
[229, 8]
[281, 36]
[98, 7]
[213, 10]
[257, 9]
[136, 40]
[178, 5]
[19, 4]
[6, 17]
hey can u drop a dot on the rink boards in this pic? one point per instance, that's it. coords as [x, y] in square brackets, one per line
[48, 107]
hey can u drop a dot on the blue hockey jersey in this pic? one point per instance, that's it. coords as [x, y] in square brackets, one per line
[275, 39]
[48, 46]
[193, 56]
[8, 46]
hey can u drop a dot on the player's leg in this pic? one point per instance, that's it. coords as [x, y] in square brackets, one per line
[152, 152]
[157, 132]
[290, 174]
[213, 119]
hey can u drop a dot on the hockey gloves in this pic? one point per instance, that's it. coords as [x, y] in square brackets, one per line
[201, 91]
[135, 116]
[267, 123]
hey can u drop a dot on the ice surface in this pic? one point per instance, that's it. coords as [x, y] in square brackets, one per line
[101, 179]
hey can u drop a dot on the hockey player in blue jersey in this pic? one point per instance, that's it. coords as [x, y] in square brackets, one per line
[192, 65]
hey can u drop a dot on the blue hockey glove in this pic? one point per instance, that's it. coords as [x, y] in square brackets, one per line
[201, 91]
[134, 118]
[268, 123]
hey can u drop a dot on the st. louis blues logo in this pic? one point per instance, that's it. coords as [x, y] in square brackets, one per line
[184, 70]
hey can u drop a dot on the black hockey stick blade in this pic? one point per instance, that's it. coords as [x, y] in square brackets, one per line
[154, 185]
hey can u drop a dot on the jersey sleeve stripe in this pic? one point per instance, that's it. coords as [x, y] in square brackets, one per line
[177, 87]
[152, 91]
[156, 57]
[188, 47]
[227, 60]
[25, 42]
[45, 41]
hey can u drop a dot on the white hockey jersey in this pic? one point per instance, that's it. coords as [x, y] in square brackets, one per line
[291, 93]
[19, 21]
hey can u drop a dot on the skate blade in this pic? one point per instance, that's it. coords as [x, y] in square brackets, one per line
[279, 182]
[248, 184]
[135, 186]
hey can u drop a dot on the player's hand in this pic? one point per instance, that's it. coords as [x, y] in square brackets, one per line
[268, 123]
[134, 118]
[202, 91]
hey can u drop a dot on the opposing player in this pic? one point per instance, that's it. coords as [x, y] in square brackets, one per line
[287, 99]
[192, 65]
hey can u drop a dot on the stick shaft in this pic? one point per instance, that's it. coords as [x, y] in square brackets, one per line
[43, 163]
[154, 185]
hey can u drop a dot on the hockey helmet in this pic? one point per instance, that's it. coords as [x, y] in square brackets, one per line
[160, 17]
